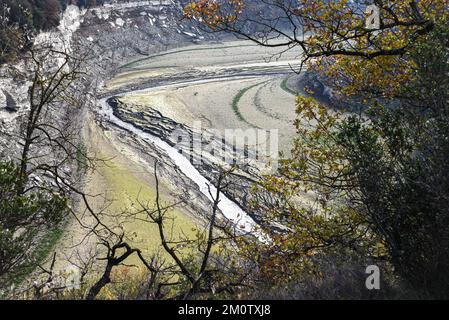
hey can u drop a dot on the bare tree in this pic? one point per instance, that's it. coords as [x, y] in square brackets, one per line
[198, 274]
[40, 188]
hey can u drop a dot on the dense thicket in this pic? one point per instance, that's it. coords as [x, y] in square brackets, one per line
[24, 218]
[19, 19]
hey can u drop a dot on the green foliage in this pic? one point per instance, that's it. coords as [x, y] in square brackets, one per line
[399, 162]
[376, 184]
[25, 219]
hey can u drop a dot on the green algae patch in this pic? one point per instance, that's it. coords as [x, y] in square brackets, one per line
[286, 88]
[236, 101]
[127, 190]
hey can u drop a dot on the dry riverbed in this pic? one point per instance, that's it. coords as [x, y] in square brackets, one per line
[224, 86]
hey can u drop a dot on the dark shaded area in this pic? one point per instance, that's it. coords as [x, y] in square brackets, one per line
[11, 105]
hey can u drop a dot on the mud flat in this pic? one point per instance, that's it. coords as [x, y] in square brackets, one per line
[224, 86]
[117, 188]
[232, 85]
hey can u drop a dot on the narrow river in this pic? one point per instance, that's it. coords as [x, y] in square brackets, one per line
[241, 220]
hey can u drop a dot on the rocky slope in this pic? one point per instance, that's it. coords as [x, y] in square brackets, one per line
[106, 37]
